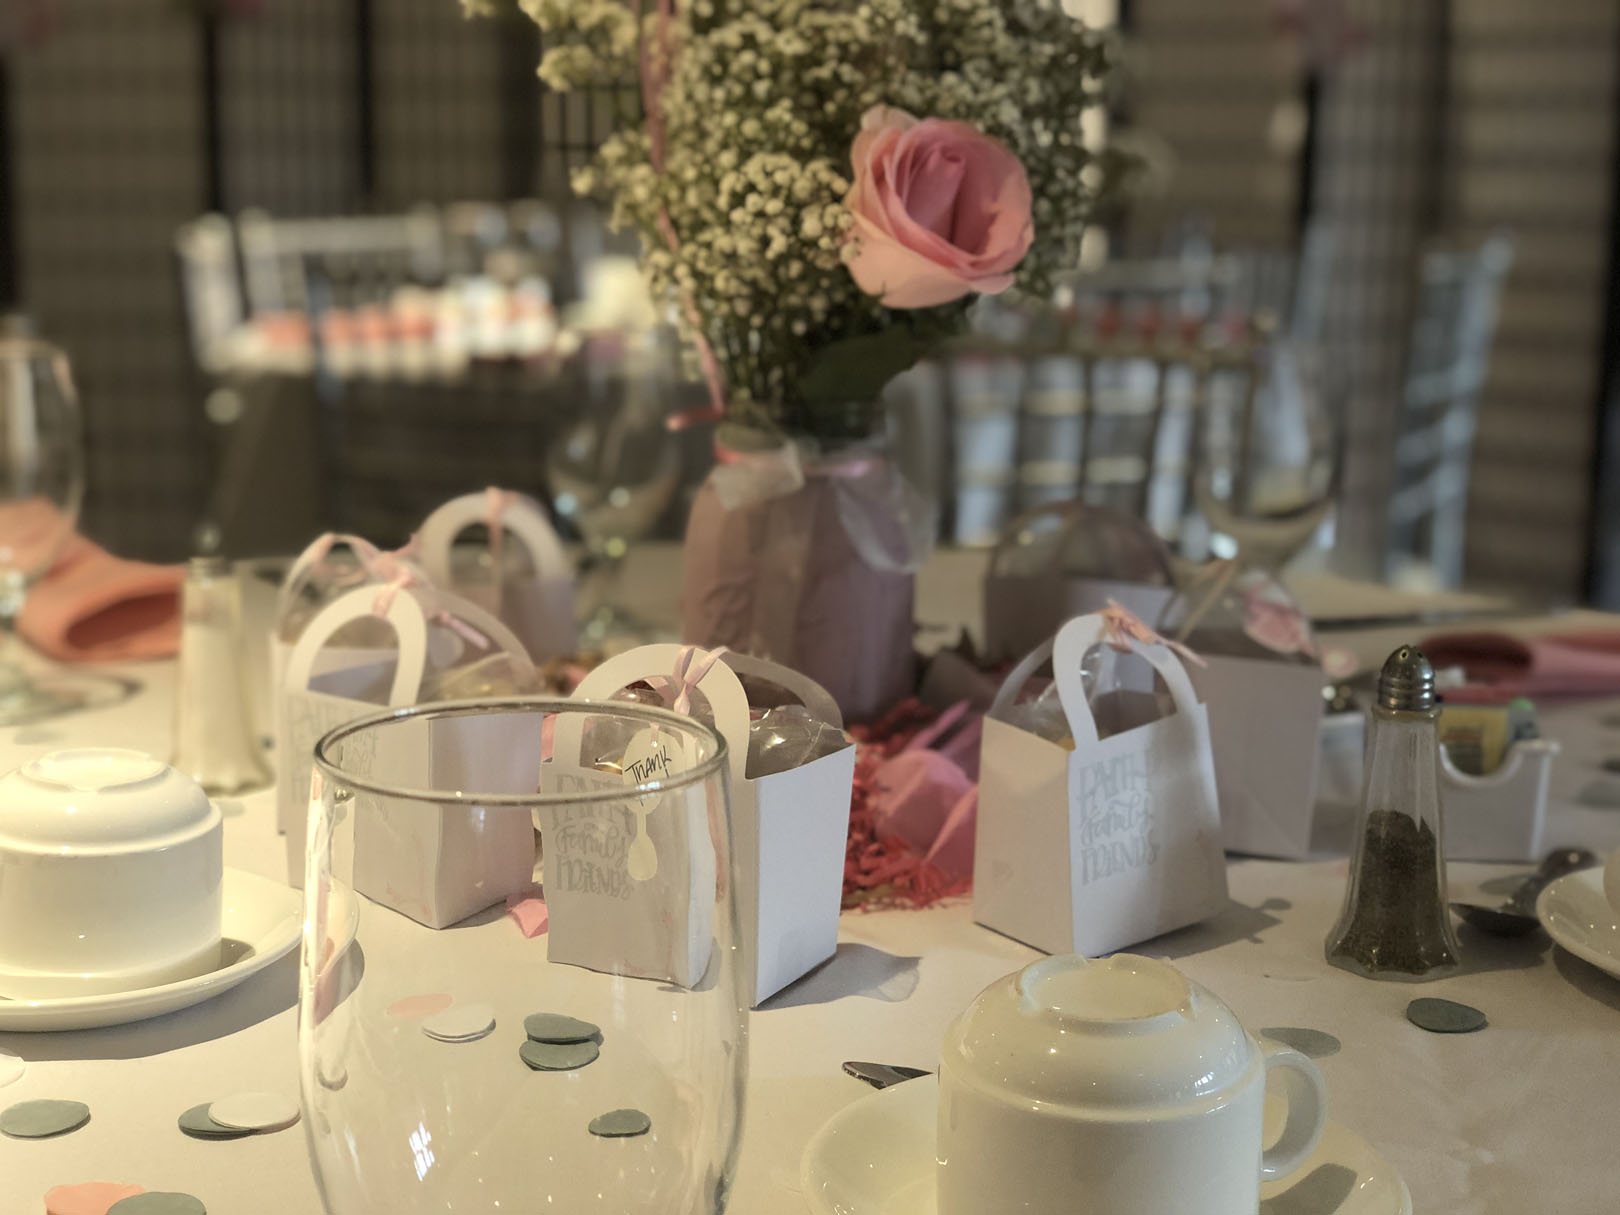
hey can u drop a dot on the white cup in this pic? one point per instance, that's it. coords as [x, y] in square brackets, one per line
[1113, 1085]
[111, 872]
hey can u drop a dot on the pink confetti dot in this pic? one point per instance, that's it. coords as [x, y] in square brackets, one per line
[530, 913]
[420, 1006]
[88, 1198]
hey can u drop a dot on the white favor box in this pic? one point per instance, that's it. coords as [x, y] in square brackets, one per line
[443, 866]
[442, 862]
[1265, 718]
[331, 658]
[1090, 850]
[789, 836]
[539, 610]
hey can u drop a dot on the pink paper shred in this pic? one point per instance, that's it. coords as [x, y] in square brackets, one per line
[529, 910]
[881, 869]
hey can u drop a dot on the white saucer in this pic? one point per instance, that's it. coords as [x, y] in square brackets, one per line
[1576, 913]
[261, 921]
[876, 1157]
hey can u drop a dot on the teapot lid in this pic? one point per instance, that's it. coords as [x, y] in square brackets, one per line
[1105, 1034]
[99, 799]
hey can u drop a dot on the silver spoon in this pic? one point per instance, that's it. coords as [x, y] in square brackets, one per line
[1517, 916]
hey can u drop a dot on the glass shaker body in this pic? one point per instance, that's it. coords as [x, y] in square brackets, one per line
[1394, 923]
[213, 735]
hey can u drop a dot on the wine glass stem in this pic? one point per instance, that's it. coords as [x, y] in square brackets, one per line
[13, 677]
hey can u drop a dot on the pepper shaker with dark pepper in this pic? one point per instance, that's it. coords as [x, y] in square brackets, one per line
[1394, 924]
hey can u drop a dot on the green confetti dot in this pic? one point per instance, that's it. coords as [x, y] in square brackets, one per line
[1444, 1016]
[555, 1027]
[558, 1056]
[42, 1119]
[1312, 1043]
[158, 1202]
[620, 1124]
[197, 1123]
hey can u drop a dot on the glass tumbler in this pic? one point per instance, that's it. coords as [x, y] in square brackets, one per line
[451, 1063]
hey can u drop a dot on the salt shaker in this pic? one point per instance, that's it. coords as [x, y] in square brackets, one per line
[1394, 924]
[213, 733]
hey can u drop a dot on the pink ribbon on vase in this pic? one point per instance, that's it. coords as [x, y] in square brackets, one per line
[849, 466]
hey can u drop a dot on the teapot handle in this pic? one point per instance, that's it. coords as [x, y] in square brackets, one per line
[1307, 1111]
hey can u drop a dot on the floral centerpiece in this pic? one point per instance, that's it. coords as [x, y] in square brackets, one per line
[825, 188]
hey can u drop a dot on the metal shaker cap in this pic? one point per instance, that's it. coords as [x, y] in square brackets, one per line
[1406, 681]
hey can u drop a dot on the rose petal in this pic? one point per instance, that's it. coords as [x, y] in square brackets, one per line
[901, 277]
[940, 210]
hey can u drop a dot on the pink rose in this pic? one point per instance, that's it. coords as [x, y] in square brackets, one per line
[941, 210]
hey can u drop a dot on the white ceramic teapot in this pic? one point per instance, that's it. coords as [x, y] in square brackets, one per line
[1112, 1085]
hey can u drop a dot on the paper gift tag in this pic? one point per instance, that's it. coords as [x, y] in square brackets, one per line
[626, 889]
[540, 610]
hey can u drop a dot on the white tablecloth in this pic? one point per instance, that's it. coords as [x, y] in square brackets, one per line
[1517, 1119]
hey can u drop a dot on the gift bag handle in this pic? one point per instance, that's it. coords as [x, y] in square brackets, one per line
[483, 621]
[811, 694]
[719, 685]
[315, 551]
[520, 516]
[1067, 650]
[402, 612]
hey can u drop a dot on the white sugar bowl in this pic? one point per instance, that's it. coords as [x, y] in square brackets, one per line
[1112, 1085]
[111, 866]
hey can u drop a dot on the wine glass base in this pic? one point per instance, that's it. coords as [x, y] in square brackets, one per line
[610, 621]
[31, 703]
[24, 701]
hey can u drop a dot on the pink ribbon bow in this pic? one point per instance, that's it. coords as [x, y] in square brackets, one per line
[1123, 625]
[691, 666]
[401, 575]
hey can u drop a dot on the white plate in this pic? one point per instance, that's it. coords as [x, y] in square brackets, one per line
[876, 1157]
[261, 921]
[1576, 913]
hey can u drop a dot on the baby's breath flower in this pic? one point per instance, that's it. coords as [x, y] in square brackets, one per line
[762, 103]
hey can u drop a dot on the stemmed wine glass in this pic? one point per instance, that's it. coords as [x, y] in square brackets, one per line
[41, 486]
[1268, 467]
[1270, 454]
[429, 1083]
[615, 471]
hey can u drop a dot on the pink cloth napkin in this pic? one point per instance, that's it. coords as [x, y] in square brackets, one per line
[94, 607]
[1500, 666]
